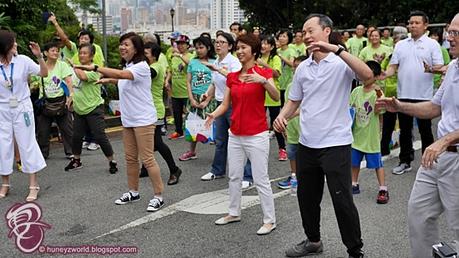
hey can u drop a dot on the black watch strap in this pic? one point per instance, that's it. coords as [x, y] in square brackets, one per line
[340, 49]
[95, 68]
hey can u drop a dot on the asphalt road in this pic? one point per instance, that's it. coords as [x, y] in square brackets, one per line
[80, 208]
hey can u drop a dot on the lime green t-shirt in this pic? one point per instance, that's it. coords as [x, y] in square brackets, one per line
[300, 50]
[388, 42]
[157, 88]
[163, 61]
[179, 69]
[446, 61]
[366, 125]
[98, 57]
[355, 45]
[287, 72]
[52, 83]
[87, 94]
[293, 125]
[276, 64]
[369, 53]
[68, 53]
[390, 83]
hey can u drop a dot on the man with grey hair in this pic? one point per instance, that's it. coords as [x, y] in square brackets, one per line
[436, 187]
[322, 86]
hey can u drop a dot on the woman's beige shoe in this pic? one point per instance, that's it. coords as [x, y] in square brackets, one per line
[266, 229]
[4, 193]
[33, 193]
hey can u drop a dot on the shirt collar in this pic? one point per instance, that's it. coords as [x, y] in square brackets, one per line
[329, 58]
[422, 38]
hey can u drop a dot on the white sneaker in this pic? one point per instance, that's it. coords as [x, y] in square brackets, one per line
[401, 169]
[93, 146]
[85, 145]
[246, 184]
[210, 176]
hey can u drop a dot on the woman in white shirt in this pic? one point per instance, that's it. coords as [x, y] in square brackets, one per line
[138, 116]
[16, 113]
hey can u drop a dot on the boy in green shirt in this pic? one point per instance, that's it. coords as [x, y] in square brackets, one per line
[366, 133]
[293, 133]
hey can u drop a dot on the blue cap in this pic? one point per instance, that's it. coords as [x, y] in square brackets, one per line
[174, 35]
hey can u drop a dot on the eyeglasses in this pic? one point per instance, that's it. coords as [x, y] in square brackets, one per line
[218, 42]
[453, 33]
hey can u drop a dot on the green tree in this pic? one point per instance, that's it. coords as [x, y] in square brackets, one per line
[277, 14]
[4, 21]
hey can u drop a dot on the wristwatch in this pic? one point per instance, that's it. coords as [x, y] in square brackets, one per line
[95, 68]
[340, 49]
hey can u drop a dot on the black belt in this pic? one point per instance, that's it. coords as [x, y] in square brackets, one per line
[452, 149]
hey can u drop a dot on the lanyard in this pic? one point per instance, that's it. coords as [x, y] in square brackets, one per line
[10, 80]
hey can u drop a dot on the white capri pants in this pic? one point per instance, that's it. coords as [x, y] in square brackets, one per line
[435, 191]
[13, 121]
[256, 149]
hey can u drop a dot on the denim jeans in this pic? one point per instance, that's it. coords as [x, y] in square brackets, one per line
[222, 124]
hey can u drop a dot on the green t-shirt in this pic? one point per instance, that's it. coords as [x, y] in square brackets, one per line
[276, 64]
[179, 69]
[446, 60]
[98, 57]
[300, 50]
[163, 61]
[157, 88]
[388, 42]
[293, 125]
[369, 53]
[68, 53]
[287, 72]
[52, 83]
[87, 94]
[390, 83]
[365, 129]
[355, 45]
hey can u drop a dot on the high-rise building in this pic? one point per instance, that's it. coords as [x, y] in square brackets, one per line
[96, 22]
[225, 12]
[126, 19]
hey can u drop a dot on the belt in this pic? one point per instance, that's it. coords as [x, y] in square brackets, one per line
[452, 148]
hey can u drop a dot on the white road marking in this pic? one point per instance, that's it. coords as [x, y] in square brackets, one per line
[216, 202]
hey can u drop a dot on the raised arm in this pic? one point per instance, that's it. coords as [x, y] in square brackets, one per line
[60, 32]
[362, 71]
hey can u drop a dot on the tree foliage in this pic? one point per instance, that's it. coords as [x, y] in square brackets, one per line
[276, 14]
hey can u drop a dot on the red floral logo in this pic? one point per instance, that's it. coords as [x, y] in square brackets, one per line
[25, 226]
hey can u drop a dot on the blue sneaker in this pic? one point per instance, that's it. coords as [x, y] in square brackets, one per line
[285, 184]
[355, 189]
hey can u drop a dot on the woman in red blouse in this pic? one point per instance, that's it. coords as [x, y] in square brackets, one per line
[248, 134]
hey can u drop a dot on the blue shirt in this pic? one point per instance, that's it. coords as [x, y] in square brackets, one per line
[201, 76]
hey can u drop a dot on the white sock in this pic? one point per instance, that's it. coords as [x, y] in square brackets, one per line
[355, 183]
[134, 193]
[383, 187]
[159, 197]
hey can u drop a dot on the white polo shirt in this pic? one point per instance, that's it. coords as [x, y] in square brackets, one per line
[447, 97]
[323, 89]
[136, 101]
[229, 63]
[409, 55]
[23, 67]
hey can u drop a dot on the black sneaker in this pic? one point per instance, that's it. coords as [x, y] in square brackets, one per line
[143, 172]
[360, 254]
[74, 164]
[155, 204]
[113, 167]
[127, 198]
[304, 248]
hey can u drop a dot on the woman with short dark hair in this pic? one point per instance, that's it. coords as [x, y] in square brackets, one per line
[248, 134]
[16, 113]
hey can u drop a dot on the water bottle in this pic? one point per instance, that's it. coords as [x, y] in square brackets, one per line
[293, 184]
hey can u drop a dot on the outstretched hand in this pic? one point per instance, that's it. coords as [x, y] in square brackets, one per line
[209, 120]
[390, 104]
[84, 67]
[35, 48]
[322, 46]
